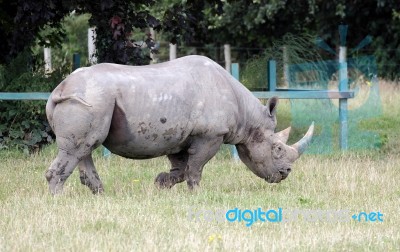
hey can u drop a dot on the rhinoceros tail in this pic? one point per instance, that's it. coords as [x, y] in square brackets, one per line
[59, 95]
[59, 99]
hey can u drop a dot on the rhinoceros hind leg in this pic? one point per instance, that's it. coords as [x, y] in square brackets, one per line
[79, 130]
[89, 176]
[177, 172]
[60, 170]
[200, 152]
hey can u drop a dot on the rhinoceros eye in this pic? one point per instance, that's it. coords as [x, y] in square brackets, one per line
[278, 151]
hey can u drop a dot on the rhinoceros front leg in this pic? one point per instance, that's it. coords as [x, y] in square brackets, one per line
[200, 152]
[177, 172]
[89, 176]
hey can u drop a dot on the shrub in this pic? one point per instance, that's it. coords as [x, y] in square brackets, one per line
[23, 124]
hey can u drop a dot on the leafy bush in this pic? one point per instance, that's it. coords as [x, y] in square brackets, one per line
[290, 49]
[75, 41]
[23, 124]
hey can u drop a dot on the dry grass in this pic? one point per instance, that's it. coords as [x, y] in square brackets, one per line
[134, 215]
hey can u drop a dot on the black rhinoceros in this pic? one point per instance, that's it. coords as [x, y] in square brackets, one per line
[185, 109]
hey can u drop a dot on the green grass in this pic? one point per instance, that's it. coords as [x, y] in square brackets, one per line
[134, 215]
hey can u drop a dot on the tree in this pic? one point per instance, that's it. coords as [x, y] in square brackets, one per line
[243, 23]
[262, 22]
[115, 21]
[379, 19]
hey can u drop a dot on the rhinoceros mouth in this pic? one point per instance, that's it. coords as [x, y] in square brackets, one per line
[285, 173]
[274, 178]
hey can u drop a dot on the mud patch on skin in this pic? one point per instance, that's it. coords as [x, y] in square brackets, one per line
[61, 168]
[169, 133]
[182, 135]
[154, 136]
[142, 127]
[257, 136]
[84, 179]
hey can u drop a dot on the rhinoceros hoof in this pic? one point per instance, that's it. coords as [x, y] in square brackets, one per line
[98, 190]
[163, 180]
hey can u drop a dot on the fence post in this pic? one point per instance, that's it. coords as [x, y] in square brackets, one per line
[153, 56]
[76, 61]
[47, 60]
[343, 86]
[227, 56]
[172, 51]
[271, 75]
[91, 45]
[93, 60]
[285, 66]
[235, 74]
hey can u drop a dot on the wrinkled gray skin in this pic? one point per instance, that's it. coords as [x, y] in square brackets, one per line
[185, 109]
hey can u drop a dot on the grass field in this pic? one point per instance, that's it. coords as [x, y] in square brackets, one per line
[133, 215]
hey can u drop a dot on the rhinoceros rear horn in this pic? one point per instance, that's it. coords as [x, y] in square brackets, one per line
[302, 145]
[284, 134]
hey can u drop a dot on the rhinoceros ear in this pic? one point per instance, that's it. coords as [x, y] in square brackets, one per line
[271, 106]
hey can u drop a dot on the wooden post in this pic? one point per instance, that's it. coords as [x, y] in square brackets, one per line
[343, 86]
[285, 66]
[235, 74]
[153, 56]
[93, 60]
[172, 51]
[227, 56]
[91, 45]
[47, 60]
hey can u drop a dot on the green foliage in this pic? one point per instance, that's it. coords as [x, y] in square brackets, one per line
[115, 24]
[290, 49]
[28, 18]
[204, 22]
[260, 23]
[75, 41]
[23, 124]
[365, 18]
[76, 29]
[115, 21]
[387, 126]
[257, 23]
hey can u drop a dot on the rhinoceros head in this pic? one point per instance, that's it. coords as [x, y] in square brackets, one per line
[266, 153]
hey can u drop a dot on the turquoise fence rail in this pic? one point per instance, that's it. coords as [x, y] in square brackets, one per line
[24, 96]
[343, 94]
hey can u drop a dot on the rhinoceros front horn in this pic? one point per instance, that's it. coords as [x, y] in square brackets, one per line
[302, 145]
